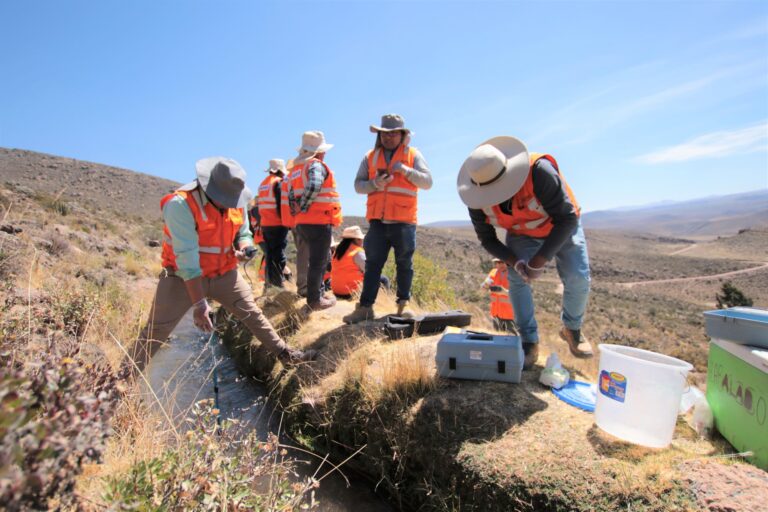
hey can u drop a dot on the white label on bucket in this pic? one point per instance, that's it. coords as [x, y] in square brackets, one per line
[476, 355]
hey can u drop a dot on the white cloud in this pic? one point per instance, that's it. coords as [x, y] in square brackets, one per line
[713, 145]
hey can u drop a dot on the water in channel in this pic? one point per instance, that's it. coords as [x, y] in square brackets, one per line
[181, 374]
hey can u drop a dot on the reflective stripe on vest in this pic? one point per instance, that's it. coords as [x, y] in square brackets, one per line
[528, 217]
[326, 207]
[216, 232]
[286, 217]
[501, 307]
[346, 276]
[398, 201]
[268, 202]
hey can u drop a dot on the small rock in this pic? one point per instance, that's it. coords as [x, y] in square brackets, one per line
[7, 228]
[153, 243]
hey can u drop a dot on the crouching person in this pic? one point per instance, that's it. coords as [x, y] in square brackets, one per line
[204, 221]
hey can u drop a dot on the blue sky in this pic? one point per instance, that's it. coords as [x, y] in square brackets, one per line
[640, 102]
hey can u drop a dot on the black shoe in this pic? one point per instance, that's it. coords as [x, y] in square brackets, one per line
[292, 356]
[531, 351]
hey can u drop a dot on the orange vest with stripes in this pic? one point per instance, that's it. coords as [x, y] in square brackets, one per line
[501, 307]
[397, 202]
[528, 216]
[216, 232]
[326, 208]
[346, 276]
[267, 202]
[286, 217]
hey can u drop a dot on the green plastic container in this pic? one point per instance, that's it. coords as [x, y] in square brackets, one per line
[737, 392]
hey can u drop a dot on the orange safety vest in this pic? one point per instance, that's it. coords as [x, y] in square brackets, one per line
[528, 217]
[268, 202]
[398, 201]
[326, 208]
[216, 232]
[346, 276]
[286, 217]
[501, 307]
[263, 269]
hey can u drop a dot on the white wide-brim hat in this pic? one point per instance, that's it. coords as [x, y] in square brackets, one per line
[311, 143]
[494, 172]
[353, 232]
[223, 180]
[276, 165]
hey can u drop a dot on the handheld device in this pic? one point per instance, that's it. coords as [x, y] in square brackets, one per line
[249, 252]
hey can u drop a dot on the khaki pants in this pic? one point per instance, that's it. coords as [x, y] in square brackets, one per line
[172, 302]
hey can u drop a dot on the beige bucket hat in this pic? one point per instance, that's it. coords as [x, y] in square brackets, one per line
[276, 165]
[313, 142]
[494, 172]
[353, 232]
[223, 180]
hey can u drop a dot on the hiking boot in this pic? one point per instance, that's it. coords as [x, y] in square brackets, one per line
[402, 311]
[360, 314]
[531, 351]
[322, 303]
[578, 344]
[292, 356]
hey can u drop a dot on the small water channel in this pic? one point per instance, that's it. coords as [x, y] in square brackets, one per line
[181, 374]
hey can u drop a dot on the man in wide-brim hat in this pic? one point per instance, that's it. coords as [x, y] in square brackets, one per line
[391, 175]
[204, 220]
[315, 209]
[525, 193]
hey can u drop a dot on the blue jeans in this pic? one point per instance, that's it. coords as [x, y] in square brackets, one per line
[380, 238]
[572, 263]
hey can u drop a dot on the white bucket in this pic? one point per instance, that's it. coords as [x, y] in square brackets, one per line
[638, 394]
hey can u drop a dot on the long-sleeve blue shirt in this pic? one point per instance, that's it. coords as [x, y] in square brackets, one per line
[186, 247]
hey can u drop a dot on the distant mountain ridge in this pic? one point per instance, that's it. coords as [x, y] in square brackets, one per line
[699, 218]
[706, 217]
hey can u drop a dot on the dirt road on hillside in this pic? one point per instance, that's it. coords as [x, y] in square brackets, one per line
[696, 278]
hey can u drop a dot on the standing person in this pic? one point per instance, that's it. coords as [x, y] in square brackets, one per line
[501, 308]
[390, 174]
[204, 220]
[275, 234]
[316, 209]
[505, 186]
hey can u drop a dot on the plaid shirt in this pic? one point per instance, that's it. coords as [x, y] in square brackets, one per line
[315, 178]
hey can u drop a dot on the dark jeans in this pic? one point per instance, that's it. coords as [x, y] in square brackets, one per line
[276, 240]
[379, 239]
[317, 237]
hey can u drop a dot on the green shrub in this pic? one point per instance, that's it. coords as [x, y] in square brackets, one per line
[54, 417]
[204, 472]
[54, 204]
[731, 297]
[430, 287]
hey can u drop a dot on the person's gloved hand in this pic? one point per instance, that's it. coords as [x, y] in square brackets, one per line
[201, 315]
[382, 180]
[527, 272]
[246, 253]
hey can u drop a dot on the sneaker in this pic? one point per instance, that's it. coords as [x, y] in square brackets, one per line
[360, 314]
[531, 351]
[322, 303]
[402, 311]
[292, 356]
[578, 344]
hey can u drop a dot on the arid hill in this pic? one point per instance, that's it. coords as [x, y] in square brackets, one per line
[79, 182]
